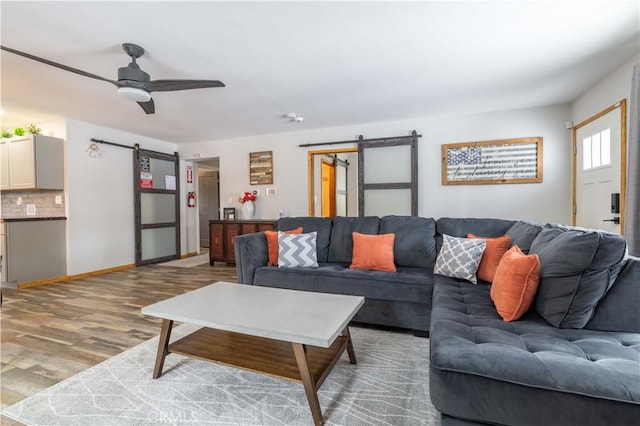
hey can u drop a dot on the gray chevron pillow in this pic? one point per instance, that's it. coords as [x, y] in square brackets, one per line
[297, 250]
[459, 257]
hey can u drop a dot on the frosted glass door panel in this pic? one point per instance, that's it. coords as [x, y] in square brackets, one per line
[158, 242]
[159, 170]
[390, 164]
[157, 208]
[382, 202]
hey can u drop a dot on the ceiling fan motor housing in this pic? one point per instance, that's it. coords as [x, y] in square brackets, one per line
[131, 73]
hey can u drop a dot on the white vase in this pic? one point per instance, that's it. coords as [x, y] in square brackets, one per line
[248, 209]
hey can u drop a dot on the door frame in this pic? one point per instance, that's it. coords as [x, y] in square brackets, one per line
[622, 104]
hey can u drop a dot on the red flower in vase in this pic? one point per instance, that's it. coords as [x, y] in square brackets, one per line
[246, 196]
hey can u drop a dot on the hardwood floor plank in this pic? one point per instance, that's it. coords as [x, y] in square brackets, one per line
[52, 332]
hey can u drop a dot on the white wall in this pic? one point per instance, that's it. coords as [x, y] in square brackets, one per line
[100, 222]
[607, 92]
[548, 201]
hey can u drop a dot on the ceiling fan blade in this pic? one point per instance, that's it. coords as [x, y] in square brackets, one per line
[148, 107]
[57, 65]
[171, 85]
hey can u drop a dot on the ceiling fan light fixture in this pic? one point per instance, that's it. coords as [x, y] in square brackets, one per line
[134, 94]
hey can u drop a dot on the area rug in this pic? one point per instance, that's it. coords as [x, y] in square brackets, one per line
[188, 262]
[388, 386]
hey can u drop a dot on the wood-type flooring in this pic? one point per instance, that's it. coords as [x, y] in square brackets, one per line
[52, 332]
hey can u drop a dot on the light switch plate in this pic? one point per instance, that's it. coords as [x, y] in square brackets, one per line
[31, 210]
[271, 191]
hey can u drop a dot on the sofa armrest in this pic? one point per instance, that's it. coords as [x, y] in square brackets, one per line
[251, 253]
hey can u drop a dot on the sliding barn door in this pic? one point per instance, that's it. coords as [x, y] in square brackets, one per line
[156, 206]
[388, 176]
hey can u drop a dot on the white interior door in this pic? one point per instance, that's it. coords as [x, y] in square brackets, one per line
[598, 163]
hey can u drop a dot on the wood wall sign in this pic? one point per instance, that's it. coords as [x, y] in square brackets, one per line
[261, 168]
[492, 162]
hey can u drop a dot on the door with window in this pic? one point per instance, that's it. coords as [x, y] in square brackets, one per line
[156, 206]
[599, 145]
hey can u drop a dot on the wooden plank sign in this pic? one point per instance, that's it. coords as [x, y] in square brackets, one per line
[261, 168]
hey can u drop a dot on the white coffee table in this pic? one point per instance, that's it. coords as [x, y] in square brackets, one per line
[295, 335]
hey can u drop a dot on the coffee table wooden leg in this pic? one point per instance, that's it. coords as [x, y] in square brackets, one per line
[163, 347]
[309, 384]
[350, 350]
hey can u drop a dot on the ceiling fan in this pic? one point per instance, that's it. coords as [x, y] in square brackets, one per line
[132, 82]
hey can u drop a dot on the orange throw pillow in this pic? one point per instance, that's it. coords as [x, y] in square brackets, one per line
[515, 284]
[272, 244]
[373, 252]
[493, 252]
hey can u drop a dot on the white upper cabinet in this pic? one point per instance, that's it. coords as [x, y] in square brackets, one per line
[32, 162]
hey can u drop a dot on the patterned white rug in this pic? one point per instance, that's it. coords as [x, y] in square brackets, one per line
[188, 262]
[388, 386]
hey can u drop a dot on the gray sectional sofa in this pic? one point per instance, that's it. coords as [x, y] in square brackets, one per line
[572, 359]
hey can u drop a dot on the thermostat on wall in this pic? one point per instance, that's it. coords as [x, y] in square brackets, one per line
[271, 191]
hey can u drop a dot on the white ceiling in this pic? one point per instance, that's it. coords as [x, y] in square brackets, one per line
[335, 63]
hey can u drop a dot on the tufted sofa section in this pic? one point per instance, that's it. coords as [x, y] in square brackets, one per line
[527, 372]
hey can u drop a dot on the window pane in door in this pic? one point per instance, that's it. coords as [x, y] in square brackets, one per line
[595, 150]
[157, 208]
[605, 142]
[158, 242]
[383, 202]
[159, 170]
[387, 164]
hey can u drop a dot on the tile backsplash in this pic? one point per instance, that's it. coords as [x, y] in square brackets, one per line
[45, 202]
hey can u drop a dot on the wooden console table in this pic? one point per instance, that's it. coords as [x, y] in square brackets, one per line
[223, 232]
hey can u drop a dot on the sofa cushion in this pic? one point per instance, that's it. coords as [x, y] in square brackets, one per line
[297, 250]
[341, 245]
[493, 252]
[415, 244]
[373, 252]
[478, 360]
[459, 258]
[272, 244]
[576, 272]
[523, 233]
[515, 283]
[321, 225]
[460, 227]
[406, 285]
[619, 310]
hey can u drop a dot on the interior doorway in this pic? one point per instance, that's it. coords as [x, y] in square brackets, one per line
[599, 170]
[209, 196]
[328, 178]
[333, 182]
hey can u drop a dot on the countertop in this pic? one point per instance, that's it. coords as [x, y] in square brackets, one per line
[30, 219]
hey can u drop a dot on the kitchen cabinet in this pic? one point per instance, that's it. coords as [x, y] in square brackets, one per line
[32, 162]
[34, 250]
[223, 232]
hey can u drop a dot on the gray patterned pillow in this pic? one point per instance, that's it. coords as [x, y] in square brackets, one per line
[297, 250]
[459, 258]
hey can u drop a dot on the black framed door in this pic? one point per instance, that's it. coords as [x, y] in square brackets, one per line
[388, 176]
[156, 206]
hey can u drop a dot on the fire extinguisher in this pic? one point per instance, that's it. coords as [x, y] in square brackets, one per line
[191, 199]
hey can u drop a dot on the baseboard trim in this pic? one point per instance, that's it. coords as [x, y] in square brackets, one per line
[63, 278]
[41, 282]
[100, 272]
[193, 253]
